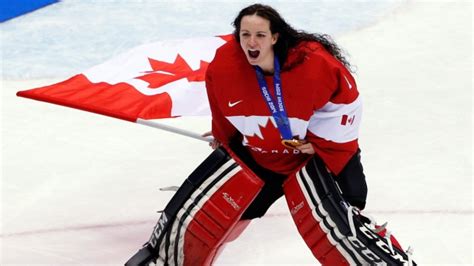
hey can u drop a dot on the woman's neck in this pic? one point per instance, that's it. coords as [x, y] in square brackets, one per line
[269, 70]
[268, 65]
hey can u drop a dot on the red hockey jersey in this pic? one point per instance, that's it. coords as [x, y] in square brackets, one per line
[320, 96]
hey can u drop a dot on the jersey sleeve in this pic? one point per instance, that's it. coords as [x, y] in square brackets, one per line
[333, 128]
[222, 129]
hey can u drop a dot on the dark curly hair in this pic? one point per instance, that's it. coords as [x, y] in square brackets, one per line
[288, 36]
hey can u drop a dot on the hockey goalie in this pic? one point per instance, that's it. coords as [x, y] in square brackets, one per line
[286, 112]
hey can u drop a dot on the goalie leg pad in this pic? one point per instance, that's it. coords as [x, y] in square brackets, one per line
[234, 234]
[318, 236]
[335, 232]
[201, 214]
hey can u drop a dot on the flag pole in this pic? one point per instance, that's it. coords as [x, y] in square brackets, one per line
[172, 129]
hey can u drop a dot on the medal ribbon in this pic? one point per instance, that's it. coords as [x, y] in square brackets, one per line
[276, 107]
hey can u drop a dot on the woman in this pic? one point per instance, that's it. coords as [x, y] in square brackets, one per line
[280, 100]
[279, 97]
[319, 102]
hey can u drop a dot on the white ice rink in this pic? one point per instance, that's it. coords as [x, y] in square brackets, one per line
[82, 189]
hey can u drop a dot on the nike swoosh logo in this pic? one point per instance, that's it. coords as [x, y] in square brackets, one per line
[348, 83]
[234, 103]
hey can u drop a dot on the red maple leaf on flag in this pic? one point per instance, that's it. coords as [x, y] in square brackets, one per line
[164, 72]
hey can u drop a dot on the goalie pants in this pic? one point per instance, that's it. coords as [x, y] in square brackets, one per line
[351, 181]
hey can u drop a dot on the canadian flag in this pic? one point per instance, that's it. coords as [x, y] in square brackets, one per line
[157, 80]
[347, 120]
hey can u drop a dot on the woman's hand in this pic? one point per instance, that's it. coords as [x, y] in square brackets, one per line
[306, 148]
[214, 143]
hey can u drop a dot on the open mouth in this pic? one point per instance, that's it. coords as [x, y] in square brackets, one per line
[253, 54]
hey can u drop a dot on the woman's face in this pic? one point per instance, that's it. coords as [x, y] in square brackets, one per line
[257, 41]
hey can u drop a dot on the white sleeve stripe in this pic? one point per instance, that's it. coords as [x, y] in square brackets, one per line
[337, 122]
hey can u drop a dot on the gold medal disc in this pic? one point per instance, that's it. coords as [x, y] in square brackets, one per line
[291, 143]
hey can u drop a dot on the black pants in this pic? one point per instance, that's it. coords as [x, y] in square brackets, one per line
[351, 180]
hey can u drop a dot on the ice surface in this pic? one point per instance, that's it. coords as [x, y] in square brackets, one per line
[71, 36]
[82, 189]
